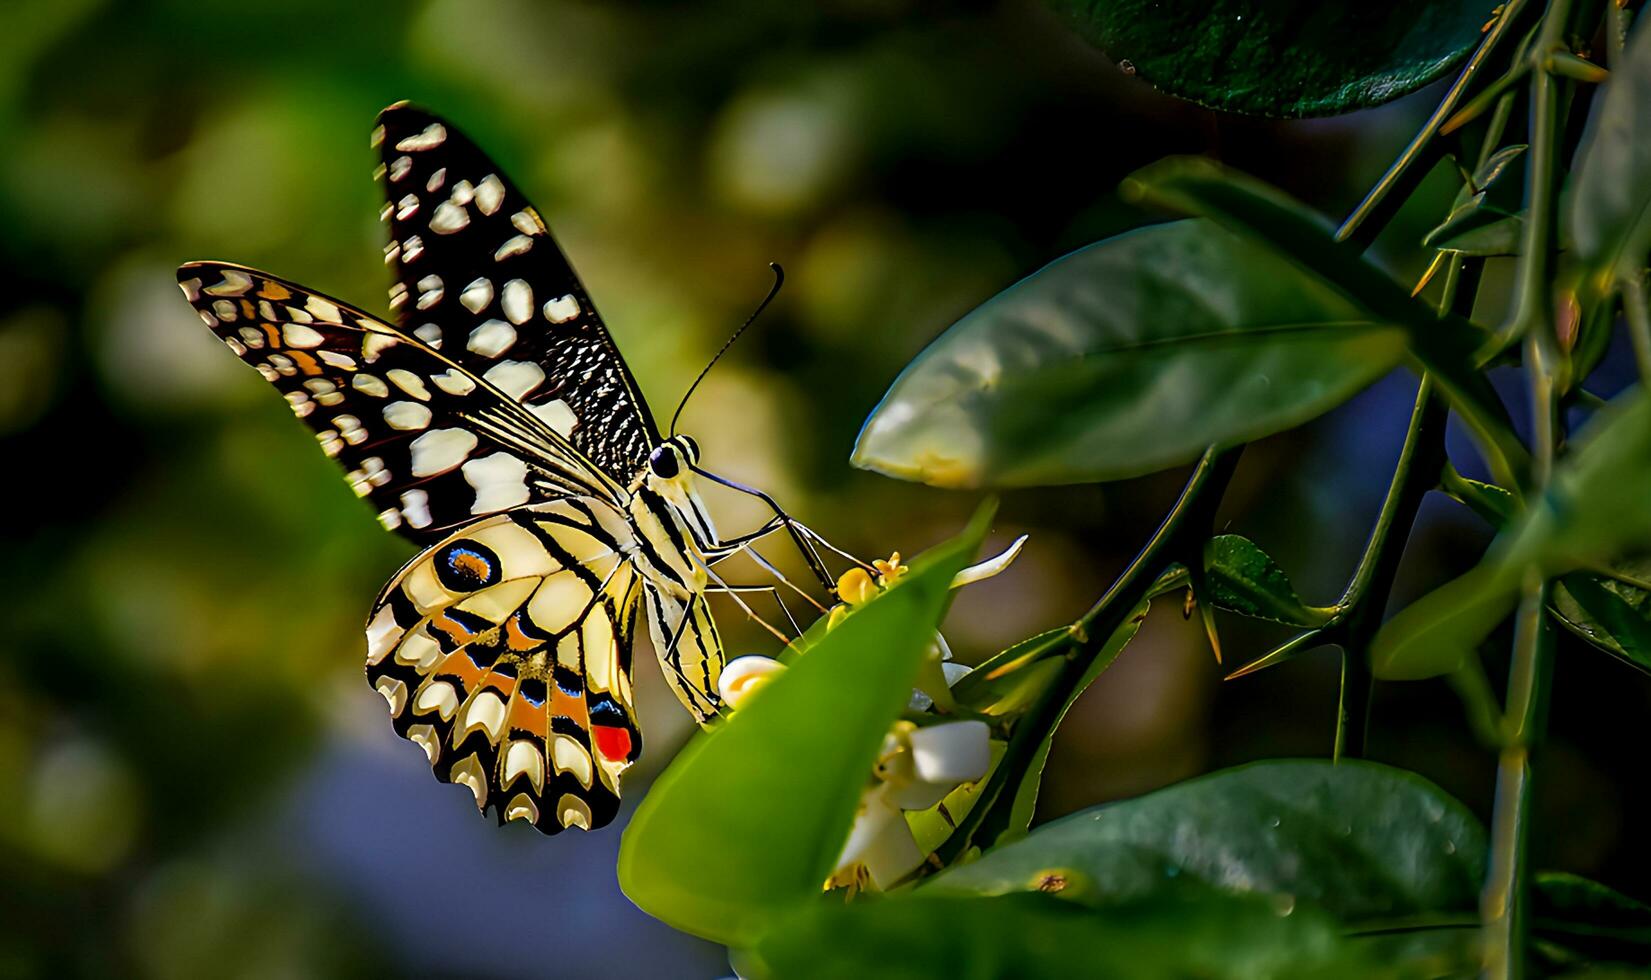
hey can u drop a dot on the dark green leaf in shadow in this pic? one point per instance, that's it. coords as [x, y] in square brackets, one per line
[1128, 356]
[1590, 921]
[1212, 937]
[1609, 214]
[1360, 840]
[1611, 615]
[1244, 579]
[1477, 231]
[751, 818]
[1006, 683]
[1279, 58]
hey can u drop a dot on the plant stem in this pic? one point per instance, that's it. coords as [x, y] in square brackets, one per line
[1639, 324]
[1502, 903]
[1181, 531]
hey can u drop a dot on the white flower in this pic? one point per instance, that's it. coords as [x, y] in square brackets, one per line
[743, 675]
[918, 768]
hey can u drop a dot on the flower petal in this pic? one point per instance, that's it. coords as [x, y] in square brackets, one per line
[989, 567]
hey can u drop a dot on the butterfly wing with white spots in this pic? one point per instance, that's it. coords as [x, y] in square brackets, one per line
[429, 444]
[479, 275]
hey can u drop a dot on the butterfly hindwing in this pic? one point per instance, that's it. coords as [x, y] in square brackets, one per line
[479, 276]
[429, 444]
[504, 652]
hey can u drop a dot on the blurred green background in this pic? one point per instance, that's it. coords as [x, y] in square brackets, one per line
[194, 781]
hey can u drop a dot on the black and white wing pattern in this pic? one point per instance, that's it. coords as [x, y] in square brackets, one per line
[430, 444]
[479, 277]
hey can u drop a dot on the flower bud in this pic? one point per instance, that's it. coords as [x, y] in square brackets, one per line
[743, 675]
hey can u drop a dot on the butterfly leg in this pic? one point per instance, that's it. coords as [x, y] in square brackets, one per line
[779, 599]
[781, 519]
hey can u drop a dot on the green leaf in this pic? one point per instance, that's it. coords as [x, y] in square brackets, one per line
[1609, 215]
[1008, 682]
[1036, 936]
[1593, 512]
[1590, 920]
[1446, 345]
[1128, 356]
[1025, 804]
[750, 818]
[1360, 840]
[1612, 615]
[1437, 633]
[1245, 580]
[1280, 58]
[1477, 231]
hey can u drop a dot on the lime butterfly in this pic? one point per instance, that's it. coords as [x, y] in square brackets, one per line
[497, 427]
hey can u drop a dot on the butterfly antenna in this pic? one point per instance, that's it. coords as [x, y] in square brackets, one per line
[774, 290]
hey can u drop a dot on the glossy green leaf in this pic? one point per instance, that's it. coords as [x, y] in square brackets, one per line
[1446, 344]
[1210, 937]
[1612, 615]
[1360, 840]
[750, 818]
[1280, 58]
[1594, 512]
[1609, 214]
[1244, 579]
[1128, 356]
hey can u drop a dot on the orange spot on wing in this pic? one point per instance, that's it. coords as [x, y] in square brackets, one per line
[569, 706]
[460, 666]
[273, 334]
[453, 629]
[305, 362]
[271, 290]
[516, 639]
[528, 717]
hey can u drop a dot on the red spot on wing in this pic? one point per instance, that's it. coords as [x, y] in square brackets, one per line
[613, 742]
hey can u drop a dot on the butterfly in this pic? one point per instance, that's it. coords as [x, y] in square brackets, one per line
[496, 425]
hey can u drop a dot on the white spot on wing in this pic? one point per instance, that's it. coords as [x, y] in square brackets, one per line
[439, 450]
[323, 310]
[500, 481]
[492, 338]
[448, 218]
[298, 335]
[430, 334]
[477, 295]
[406, 416]
[234, 283]
[489, 194]
[562, 309]
[517, 301]
[370, 384]
[557, 415]
[415, 506]
[409, 382]
[454, 382]
[515, 378]
[513, 246]
[433, 136]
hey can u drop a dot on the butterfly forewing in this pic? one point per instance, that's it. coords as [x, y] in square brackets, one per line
[479, 276]
[426, 442]
[504, 652]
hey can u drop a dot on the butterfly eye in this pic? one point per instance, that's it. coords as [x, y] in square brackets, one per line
[690, 448]
[663, 462]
